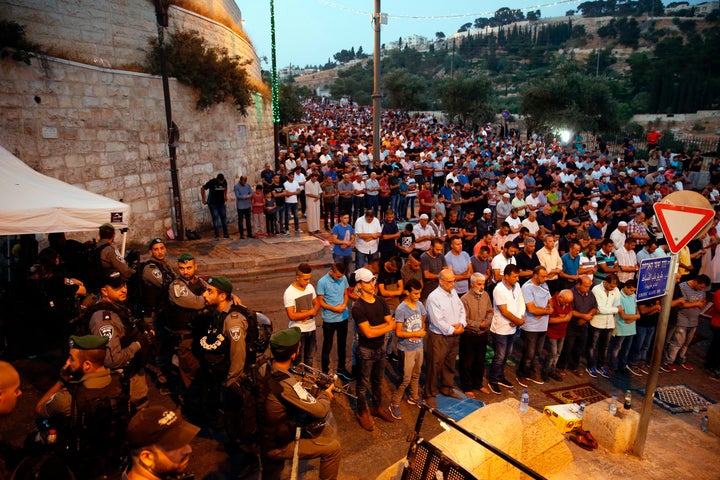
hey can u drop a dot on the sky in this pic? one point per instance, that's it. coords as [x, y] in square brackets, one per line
[309, 32]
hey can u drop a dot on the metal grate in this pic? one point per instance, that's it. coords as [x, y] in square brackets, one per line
[426, 460]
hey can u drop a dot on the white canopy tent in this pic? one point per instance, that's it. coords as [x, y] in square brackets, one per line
[31, 202]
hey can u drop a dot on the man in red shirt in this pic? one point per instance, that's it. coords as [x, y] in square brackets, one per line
[561, 304]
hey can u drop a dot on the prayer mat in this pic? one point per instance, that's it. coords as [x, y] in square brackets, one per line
[576, 394]
[678, 398]
[458, 409]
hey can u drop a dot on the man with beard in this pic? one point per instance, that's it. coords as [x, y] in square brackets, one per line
[89, 407]
[84, 367]
[160, 444]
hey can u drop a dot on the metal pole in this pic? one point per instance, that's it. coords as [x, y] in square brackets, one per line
[660, 334]
[172, 130]
[376, 97]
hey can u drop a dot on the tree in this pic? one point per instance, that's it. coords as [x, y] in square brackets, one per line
[291, 110]
[467, 97]
[360, 53]
[14, 43]
[216, 75]
[628, 32]
[570, 13]
[439, 35]
[571, 100]
[533, 16]
[465, 27]
[405, 90]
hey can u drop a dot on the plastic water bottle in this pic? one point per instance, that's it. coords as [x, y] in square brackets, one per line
[613, 404]
[704, 424]
[628, 400]
[524, 401]
[696, 406]
[581, 412]
[52, 436]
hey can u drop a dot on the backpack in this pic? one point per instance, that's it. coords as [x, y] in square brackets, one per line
[141, 295]
[93, 271]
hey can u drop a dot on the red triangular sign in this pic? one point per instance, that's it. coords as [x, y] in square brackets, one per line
[681, 223]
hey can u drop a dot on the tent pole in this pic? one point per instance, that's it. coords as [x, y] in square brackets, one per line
[124, 242]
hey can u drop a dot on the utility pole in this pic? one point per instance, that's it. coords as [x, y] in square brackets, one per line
[173, 133]
[275, 92]
[376, 96]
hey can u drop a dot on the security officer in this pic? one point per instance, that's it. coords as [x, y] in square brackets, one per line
[227, 325]
[129, 344]
[157, 274]
[110, 258]
[160, 444]
[225, 356]
[84, 368]
[289, 406]
[89, 408]
[186, 307]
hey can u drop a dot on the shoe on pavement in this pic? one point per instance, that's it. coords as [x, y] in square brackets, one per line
[449, 392]
[344, 375]
[644, 369]
[556, 376]
[365, 420]
[687, 366]
[605, 372]
[664, 368]
[395, 411]
[592, 371]
[469, 394]
[545, 377]
[495, 388]
[505, 382]
[633, 371]
[537, 379]
[418, 402]
[298, 231]
[669, 367]
[522, 381]
[383, 413]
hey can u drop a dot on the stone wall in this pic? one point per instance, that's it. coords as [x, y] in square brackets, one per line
[103, 129]
[115, 33]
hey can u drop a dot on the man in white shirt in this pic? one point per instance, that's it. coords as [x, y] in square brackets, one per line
[301, 305]
[550, 259]
[367, 238]
[423, 234]
[602, 326]
[446, 322]
[508, 314]
[627, 261]
[618, 235]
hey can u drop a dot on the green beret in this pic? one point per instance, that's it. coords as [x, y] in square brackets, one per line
[154, 242]
[221, 283]
[286, 338]
[88, 342]
[185, 257]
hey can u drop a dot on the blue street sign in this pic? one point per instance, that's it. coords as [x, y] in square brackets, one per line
[506, 113]
[653, 277]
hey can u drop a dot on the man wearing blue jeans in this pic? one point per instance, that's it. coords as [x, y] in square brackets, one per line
[216, 199]
[301, 305]
[508, 314]
[292, 190]
[332, 290]
[372, 317]
[343, 239]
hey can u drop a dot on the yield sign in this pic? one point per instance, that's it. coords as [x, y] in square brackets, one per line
[681, 223]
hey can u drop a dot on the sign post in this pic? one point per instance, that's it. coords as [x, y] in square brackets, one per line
[660, 333]
[682, 216]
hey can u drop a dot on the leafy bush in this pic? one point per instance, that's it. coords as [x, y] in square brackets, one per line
[13, 42]
[210, 70]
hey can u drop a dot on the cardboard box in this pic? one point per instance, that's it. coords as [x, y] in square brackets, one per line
[563, 417]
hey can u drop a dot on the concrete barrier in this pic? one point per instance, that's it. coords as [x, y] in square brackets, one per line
[529, 437]
[614, 432]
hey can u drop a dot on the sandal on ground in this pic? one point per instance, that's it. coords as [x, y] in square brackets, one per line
[580, 440]
[588, 436]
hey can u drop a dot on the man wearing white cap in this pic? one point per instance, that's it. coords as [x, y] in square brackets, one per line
[619, 234]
